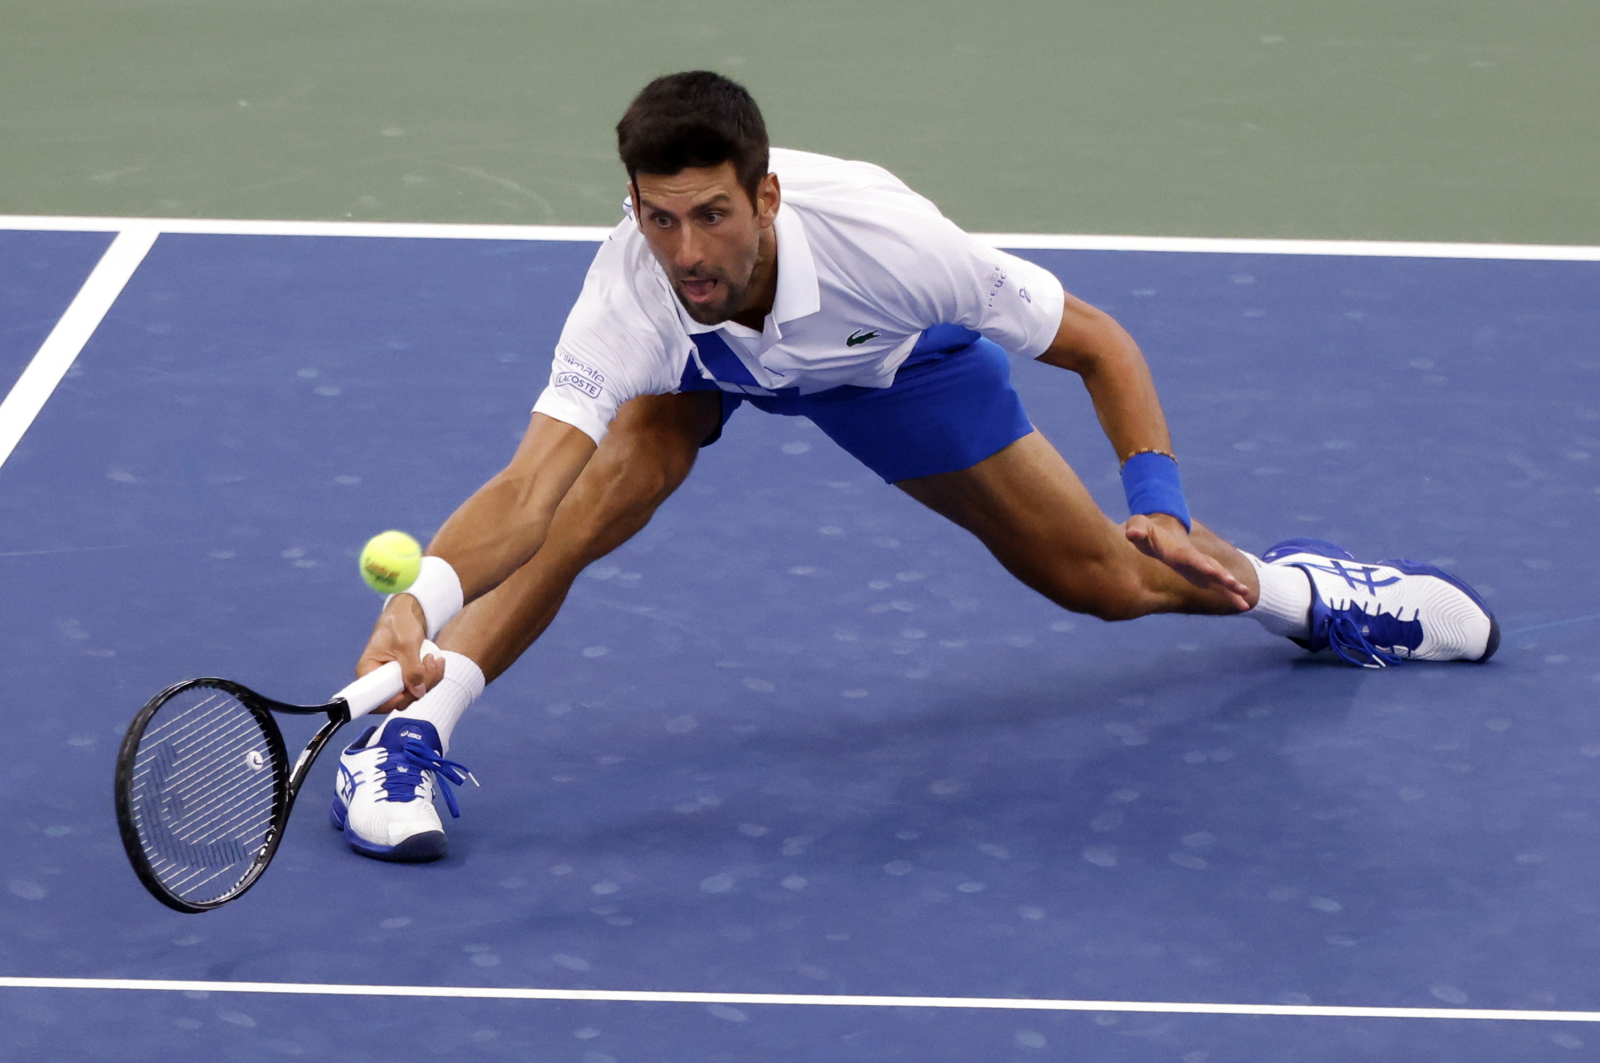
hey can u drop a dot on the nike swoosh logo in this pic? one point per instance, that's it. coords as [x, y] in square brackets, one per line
[859, 336]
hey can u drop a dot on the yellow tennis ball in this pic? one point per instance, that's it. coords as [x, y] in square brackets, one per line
[390, 562]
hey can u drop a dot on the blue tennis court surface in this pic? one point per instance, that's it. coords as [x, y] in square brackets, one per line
[40, 272]
[801, 736]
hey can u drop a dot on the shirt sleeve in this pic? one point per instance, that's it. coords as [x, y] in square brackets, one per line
[950, 277]
[611, 349]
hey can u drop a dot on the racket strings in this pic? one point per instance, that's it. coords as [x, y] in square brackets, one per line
[204, 793]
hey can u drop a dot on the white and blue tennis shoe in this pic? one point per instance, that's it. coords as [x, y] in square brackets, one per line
[1375, 615]
[383, 798]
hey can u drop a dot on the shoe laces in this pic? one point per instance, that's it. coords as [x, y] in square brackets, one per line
[1355, 635]
[401, 785]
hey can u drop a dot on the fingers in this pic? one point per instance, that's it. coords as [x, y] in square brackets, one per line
[412, 671]
[1138, 531]
[397, 703]
[1177, 552]
[398, 636]
[375, 658]
[1207, 571]
[433, 671]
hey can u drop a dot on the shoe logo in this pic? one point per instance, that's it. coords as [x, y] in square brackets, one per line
[1358, 578]
[859, 336]
[347, 784]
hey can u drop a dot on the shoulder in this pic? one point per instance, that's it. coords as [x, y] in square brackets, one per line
[825, 185]
[872, 232]
[860, 210]
[624, 318]
[624, 287]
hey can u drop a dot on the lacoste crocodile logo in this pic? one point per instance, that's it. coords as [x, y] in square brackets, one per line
[859, 336]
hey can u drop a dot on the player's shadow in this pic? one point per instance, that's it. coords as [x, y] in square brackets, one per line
[1041, 760]
[1146, 795]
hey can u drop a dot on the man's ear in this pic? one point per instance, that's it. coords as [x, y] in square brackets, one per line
[768, 198]
[633, 198]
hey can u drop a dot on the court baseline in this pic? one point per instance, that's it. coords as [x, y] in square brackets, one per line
[800, 999]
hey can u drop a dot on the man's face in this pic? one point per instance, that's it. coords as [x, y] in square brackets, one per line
[708, 236]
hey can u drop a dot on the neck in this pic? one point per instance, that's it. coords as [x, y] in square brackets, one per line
[763, 284]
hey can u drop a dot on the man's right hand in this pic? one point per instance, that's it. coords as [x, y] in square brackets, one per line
[398, 636]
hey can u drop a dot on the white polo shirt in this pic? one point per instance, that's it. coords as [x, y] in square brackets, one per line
[864, 266]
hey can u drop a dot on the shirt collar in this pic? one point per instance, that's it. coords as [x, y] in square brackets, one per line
[798, 295]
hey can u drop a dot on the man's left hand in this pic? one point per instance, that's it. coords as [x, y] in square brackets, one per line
[1164, 538]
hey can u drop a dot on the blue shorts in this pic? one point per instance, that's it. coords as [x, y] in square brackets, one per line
[951, 406]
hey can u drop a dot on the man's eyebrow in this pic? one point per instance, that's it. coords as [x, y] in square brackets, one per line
[717, 201]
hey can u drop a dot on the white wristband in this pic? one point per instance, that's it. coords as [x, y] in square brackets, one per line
[438, 590]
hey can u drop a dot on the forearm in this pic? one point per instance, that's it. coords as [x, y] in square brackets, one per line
[495, 531]
[504, 522]
[1114, 372]
[1125, 401]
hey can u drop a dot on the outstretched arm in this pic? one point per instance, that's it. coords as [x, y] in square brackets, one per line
[491, 535]
[1092, 344]
[503, 523]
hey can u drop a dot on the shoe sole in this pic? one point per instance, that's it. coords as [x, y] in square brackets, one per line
[421, 848]
[1419, 568]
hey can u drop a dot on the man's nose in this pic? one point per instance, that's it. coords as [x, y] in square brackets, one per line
[688, 253]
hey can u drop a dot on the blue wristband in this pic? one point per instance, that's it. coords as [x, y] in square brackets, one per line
[1152, 485]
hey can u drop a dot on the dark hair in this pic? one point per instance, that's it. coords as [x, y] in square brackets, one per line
[694, 119]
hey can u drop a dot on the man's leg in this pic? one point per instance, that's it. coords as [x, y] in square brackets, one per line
[644, 458]
[1034, 514]
[1029, 508]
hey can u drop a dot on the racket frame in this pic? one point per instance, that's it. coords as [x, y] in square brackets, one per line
[288, 780]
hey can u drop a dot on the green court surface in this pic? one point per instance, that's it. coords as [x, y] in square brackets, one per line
[1462, 121]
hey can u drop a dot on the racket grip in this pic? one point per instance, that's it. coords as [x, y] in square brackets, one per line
[372, 689]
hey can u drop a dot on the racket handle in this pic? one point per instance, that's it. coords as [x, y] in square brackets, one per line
[372, 689]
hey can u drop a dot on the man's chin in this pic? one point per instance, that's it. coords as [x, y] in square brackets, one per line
[705, 315]
[714, 313]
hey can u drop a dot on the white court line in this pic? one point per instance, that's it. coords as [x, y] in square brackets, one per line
[801, 999]
[237, 227]
[1045, 241]
[55, 356]
[1353, 248]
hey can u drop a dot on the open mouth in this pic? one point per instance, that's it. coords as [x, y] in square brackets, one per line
[699, 289]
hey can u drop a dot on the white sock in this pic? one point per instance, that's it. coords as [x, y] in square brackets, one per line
[1284, 607]
[443, 705]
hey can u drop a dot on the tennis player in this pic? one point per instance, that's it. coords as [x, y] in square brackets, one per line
[804, 285]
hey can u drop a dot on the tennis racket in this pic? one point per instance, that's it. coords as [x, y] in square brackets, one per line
[205, 786]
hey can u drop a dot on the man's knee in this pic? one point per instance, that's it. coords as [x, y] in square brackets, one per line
[642, 469]
[648, 452]
[682, 421]
[654, 441]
